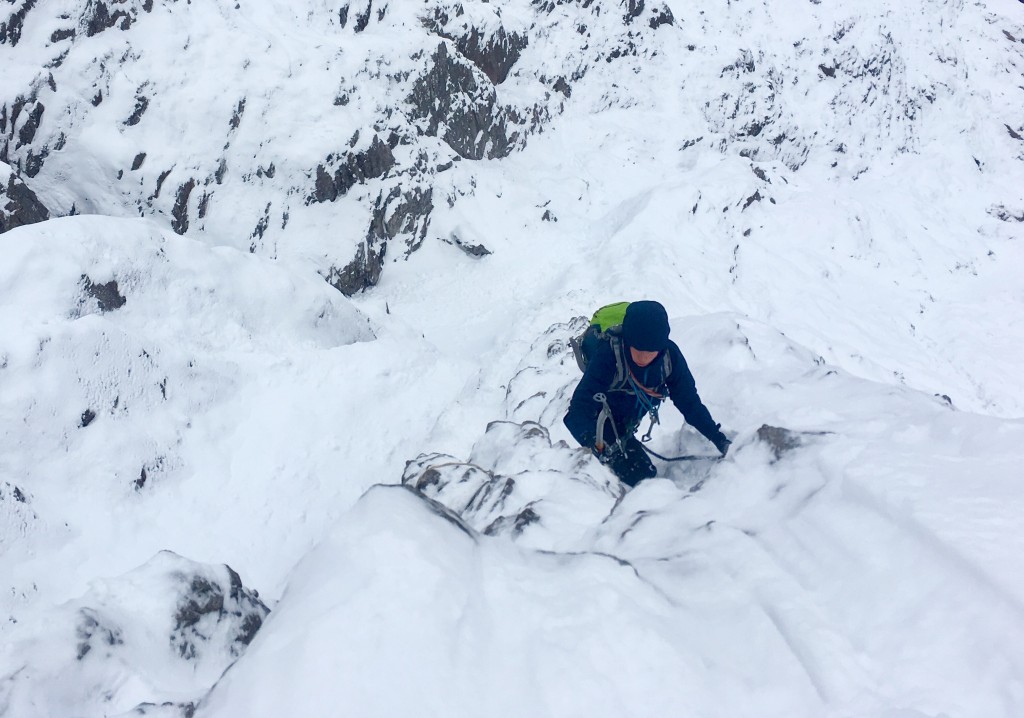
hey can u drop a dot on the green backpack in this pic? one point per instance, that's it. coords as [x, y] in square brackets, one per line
[606, 326]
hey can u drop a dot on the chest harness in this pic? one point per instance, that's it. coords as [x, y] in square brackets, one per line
[626, 382]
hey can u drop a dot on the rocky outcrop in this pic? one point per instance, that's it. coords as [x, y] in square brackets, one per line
[338, 174]
[782, 441]
[495, 52]
[455, 101]
[401, 214]
[470, 85]
[18, 204]
[504, 486]
[107, 295]
[168, 628]
[100, 16]
[10, 30]
[208, 602]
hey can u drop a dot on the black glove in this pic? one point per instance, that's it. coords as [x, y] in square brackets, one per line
[720, 441]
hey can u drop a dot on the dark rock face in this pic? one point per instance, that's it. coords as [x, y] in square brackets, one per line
[450, 102]
[446, 88]
[401, 214]
[141, 104]
[19, 205]
[179, 213]
[354, 169]
[495, 53]
[10, 31]
[661, 15]
[107, 295]
[99, 17]
[208, 602]
[27, 133]
[20, 129]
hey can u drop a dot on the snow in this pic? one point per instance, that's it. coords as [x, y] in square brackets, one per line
[391, 473]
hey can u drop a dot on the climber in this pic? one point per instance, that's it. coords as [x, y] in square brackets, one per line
[630, 365]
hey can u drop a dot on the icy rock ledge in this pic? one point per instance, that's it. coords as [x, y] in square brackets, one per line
[153, 641]
[517, 483]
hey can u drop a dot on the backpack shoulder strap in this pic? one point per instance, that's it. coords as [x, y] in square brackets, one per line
[614, 335]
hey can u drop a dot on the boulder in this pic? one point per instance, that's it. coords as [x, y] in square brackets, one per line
[18, 204]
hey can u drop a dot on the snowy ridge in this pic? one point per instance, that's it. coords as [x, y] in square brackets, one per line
[668, 599]
[827, 199]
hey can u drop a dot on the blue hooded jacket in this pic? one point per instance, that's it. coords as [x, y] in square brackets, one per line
[626, 407]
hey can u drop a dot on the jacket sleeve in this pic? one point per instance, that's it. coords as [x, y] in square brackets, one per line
[581, 419]
[683, 391]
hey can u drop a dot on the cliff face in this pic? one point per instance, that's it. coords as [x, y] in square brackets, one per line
[243, 122]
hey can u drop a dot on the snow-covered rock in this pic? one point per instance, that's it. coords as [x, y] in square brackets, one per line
[516, 483]
[18, 204]
[117, 339]
[159, 636]
[114, 331]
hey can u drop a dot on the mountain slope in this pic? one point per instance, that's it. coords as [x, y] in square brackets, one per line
[827, 199]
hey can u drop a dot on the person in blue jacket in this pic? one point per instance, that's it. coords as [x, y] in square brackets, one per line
[627, 377]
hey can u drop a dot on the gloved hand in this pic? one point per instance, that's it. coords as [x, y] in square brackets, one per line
[720, 441]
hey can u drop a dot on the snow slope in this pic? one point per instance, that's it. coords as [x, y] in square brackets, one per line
[873, 570]
[826, 200]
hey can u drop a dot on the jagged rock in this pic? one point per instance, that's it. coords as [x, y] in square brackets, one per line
[99, 17]
[107, 295]
[661, 15]
[14, 135]
[168, 628]
[206, 602]
[470, 248]
[634, 8]
[10, 31]
[179, 213]
[28, 130]
[355, 167]
[141, 104]
[782, 441]
[502, 488]
[400, 214]
[495, 53]
[450, 102]
[18, 204]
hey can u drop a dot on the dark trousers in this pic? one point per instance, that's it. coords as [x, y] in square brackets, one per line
[631, 465]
